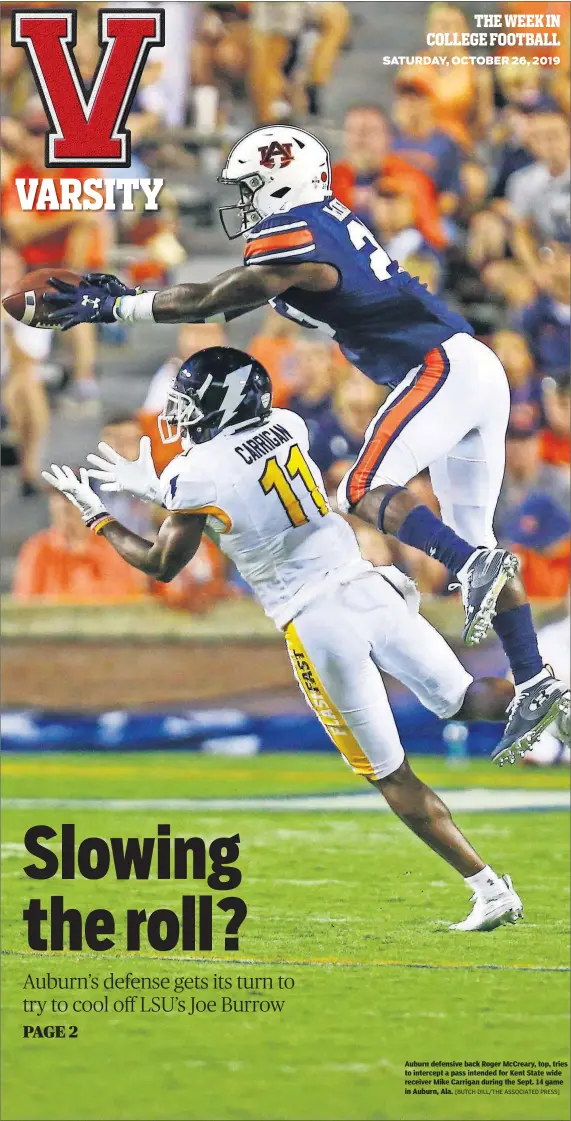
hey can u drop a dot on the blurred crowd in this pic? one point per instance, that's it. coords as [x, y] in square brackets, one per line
[463, 176]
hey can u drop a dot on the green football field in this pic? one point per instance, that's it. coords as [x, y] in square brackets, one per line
[345, 903]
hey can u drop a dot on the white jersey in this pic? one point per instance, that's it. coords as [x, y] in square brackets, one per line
[344, 620]
[265, 496]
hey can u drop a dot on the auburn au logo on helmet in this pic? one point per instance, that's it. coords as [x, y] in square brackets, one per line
[269, 153]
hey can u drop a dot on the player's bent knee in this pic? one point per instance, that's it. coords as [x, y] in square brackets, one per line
[364, 503]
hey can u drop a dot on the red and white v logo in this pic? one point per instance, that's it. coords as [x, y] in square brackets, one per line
[88, 127]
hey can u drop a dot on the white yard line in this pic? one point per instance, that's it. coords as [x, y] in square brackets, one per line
[477, 800]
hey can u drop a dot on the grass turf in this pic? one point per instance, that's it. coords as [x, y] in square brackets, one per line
[348, 905]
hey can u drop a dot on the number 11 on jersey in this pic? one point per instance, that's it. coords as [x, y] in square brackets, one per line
[274, 478]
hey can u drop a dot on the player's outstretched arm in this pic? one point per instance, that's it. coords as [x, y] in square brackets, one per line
[177, 542]
[227, 296]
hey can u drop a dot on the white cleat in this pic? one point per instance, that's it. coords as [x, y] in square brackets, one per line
[486, 914]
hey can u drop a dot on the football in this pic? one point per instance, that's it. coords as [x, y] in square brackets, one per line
[25, 302]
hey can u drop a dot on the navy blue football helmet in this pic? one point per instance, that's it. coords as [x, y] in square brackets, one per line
[218, 388]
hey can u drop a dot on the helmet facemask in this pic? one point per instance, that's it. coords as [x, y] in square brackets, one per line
[244, 213]
[181, 412]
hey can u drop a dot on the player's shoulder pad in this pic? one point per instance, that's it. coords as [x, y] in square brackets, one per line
[187, 484]
[281, 237]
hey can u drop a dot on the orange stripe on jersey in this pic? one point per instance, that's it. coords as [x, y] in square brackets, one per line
[214, 510]
[427, 382]
[291, 239]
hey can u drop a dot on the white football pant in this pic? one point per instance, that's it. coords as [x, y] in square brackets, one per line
[449, 415]
[340, 642]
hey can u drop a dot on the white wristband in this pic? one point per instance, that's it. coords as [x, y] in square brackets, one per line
[135, 309]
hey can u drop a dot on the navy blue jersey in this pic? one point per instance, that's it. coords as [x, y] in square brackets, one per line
[383, 319]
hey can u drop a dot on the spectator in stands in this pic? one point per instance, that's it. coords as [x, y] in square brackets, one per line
[555, 438]
[525, 389]
[313, 382]
[462, 95]
[337, 437]
[511, 135]
[467, 270]
[69, 563]
[539, 194]
[176, 55]
[219, 60]
[156, 234]
[393, 209]
[15, 76]
[148, 113]
[24, 398]
[328, 26]
[474, 191]
[510, 281]
[488, 238]
[274, 345]
[514, 155]
[518, 86]
[422, 144]
[276, 31]
[367, 140]
[546, 322]
[533, 512]
[465, 264]
[74, 239]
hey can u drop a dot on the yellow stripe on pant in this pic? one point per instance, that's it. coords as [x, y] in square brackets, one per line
[328, 715]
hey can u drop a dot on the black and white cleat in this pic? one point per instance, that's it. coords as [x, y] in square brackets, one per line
[481, 585]
[529, 714]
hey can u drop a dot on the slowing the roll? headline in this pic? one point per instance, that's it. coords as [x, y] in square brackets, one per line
[162, 858]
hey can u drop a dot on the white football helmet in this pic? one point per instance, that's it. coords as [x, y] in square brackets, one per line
[275, 168]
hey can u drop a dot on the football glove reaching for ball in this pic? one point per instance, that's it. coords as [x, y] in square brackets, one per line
[93, 300]
[78, 491]
[115, 473]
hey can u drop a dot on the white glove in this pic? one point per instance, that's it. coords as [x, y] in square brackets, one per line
[77, 490]
[118, 474]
